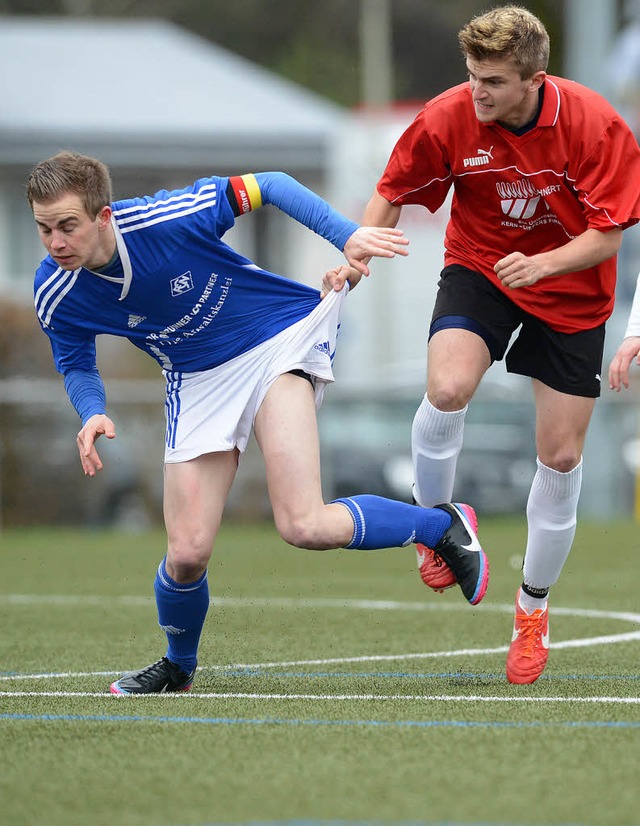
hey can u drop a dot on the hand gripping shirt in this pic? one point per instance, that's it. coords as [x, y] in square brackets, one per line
[578, 168]
[176, 290]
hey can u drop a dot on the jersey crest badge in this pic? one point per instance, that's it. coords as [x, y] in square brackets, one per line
[519, 199]
[181, 284]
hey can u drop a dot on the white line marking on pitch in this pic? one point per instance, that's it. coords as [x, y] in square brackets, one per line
[447, 698]
[429, 655]
[310, 602]
[296, 602]
[384, 605]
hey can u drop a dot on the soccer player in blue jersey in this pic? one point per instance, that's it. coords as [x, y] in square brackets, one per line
[240, 348]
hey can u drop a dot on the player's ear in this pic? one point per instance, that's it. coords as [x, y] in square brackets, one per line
[537, 80]
[104, 217]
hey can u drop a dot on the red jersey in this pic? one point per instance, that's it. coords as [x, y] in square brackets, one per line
[578, 168]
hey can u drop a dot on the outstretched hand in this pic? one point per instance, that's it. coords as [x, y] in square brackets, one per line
[96, 426]
[621, 362]
[369, 242]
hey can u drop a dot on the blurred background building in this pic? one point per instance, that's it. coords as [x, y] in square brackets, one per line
[166, 93]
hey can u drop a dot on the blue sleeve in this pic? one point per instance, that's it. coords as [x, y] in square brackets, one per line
[305, 206]
[86, 392]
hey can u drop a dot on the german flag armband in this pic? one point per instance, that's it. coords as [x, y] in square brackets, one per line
[243, 193]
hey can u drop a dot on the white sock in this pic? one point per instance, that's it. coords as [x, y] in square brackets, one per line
[436, 441]
[552, 515]
[530, 604]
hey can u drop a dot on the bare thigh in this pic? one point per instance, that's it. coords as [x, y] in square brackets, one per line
[561, 426]
[195, 493]
[287, 432]
[457, 360]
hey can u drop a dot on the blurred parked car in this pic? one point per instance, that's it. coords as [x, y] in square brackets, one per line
[366, 448]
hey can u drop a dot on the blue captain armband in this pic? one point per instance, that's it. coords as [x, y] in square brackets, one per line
[86, 392]
[250, 191]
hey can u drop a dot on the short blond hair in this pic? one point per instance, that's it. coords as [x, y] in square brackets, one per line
[507, 32]
[71, 172]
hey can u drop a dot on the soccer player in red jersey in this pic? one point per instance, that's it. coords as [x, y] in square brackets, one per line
[545, 177]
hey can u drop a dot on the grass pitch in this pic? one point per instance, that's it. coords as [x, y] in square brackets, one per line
[332, 688]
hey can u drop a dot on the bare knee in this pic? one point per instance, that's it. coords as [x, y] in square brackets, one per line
[448, 397]
[187, 559]
[300, 531]
[562, 460]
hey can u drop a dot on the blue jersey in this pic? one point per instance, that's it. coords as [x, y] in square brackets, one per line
[175, 289]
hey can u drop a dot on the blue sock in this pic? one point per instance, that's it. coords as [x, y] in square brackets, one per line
[181, 614]
[385, 523]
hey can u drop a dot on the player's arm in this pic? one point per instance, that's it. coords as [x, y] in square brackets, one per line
[588, 249]
[378, 213]
[74, 356]
[359, 244]
[87, 394]
[629, 350]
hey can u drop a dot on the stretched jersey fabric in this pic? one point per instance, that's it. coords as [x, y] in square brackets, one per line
[176, 290]
[578, 168]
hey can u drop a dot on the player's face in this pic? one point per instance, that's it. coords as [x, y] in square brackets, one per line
[500, 94]
[71, 237]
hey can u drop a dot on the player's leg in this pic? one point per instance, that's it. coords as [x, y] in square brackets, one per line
[457, 360]
[195, 493]
[471, 326]
[286, 430]
[194, 496]
[561, 426]
[287, 434]
[566, 381]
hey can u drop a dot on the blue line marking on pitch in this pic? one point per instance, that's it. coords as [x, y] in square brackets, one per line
[276, 721]
[373, 823]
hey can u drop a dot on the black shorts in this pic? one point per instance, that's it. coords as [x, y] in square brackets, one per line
[303, 375]
[568, 362]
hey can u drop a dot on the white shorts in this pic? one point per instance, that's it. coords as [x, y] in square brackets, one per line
[214, 410]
